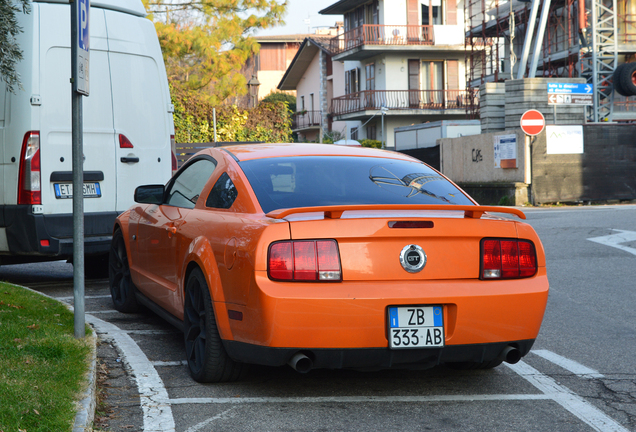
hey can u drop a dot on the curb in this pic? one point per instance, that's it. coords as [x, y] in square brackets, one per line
[86, 405]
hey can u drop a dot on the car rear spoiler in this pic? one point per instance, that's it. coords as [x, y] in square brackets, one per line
[335, 212]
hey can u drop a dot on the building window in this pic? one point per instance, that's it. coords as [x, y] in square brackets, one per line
[302, 103]
[370, 71]
[311, 102]
[372, 133]
[354, 133]
[352, 81]
[432, 15]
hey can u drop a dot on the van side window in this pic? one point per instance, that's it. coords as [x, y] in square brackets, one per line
[223, 193]
[184, 190]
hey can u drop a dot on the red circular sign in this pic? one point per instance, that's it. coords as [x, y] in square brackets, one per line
[532, 122]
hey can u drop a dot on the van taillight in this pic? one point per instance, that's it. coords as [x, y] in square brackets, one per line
[304, 261]
[29, 180]
[507, 259]
[124, 142]
[173, 147]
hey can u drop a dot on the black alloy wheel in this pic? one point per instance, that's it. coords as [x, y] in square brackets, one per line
[122, 289]
[207, 359]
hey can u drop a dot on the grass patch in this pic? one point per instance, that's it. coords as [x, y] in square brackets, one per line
[42, 365]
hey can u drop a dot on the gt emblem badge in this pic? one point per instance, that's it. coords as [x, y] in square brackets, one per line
[413, 258]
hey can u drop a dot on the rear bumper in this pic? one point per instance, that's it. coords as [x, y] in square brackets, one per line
[27, 233]
[354, 315]
[374, 358]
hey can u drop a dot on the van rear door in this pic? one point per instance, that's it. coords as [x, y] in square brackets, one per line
[141, 98]
[55, 120]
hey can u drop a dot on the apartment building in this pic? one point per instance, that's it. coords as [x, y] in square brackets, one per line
[404, 64]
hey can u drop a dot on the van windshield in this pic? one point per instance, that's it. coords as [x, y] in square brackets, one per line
[309, 181]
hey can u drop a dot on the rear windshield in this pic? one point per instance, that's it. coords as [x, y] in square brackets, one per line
[309, 181]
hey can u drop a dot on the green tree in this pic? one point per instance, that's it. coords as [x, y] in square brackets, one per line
[10, 52]
[206, 42]
[282, 97]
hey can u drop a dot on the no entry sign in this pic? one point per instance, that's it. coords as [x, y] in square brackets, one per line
[532, 122]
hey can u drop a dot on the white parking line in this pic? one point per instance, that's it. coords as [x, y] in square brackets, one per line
[170, 363]
[64, 299]
[576, 405]
[615, 240]
[157, 412]
[570, 365]
[361, 399]
[103, 312]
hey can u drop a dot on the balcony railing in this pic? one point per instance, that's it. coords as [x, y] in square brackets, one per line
[403, 100]
[374, 34]
[306, 119]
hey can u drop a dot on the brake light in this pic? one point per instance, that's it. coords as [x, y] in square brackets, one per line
[124, 142]
[507, 259]
[304, 260]
[29, 180]
[173, 147]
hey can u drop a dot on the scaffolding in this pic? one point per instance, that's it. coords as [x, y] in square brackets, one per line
[580, 40]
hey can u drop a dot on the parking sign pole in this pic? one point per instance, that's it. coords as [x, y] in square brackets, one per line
[79, 80]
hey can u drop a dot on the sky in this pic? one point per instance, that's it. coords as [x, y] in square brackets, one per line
[300, 10]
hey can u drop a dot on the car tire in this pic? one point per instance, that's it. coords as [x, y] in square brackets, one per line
[616, 79]
[122, 289]
[475, 365]
[628, 79]
[207, 359]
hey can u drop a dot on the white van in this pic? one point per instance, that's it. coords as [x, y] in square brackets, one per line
[128, 130]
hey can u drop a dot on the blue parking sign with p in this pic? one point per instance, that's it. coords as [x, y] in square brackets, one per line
[83, 25]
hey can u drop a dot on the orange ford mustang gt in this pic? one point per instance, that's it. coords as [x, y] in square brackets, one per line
[324, 256]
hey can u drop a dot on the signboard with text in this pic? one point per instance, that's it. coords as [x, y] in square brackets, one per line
[570, 94]
[506, 151]
[81, 82]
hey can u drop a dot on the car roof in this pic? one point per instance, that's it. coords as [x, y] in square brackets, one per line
[261, 151]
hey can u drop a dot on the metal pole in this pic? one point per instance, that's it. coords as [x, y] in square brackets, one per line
[77, 134]
[528, 40]
[545, 9]
[383, 138]
[214, 121]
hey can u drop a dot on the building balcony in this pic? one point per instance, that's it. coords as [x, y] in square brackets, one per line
[306, 120]
[403, 102]
[370, 39]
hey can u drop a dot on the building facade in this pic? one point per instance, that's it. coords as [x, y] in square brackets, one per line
[404, 64]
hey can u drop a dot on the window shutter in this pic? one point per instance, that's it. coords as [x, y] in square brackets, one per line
[451, 12]
[452, 68]
[412, 15]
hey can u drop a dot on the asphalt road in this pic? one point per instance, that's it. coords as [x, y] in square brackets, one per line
[580, 375]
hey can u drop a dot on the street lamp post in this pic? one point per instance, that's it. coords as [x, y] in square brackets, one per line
[383, 110]
[252, 86]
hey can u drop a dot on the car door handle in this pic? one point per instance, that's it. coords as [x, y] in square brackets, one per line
[129, 159]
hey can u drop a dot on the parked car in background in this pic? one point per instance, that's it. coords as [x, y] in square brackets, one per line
[326, 256]
[128, 130]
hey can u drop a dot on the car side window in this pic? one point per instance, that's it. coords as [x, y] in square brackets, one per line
[186, 188]
[223, 193]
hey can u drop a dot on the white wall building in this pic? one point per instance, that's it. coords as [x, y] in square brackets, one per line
[406, 56]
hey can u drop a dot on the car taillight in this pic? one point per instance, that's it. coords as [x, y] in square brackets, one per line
[304, 260]
[29, 181]
[507, 259]
[173, 147]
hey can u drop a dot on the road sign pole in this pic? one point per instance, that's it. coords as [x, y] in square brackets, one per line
[554, 116]
[79, 86]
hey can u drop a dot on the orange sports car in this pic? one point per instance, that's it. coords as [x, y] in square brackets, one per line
[325, 256]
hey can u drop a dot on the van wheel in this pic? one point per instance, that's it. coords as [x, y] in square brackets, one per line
[122, 289]
[207, 359]
[96, 266]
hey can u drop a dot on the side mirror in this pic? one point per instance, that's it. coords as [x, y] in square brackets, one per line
[150, 194]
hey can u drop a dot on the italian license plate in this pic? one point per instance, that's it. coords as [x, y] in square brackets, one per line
[416, 327]
[65, 190]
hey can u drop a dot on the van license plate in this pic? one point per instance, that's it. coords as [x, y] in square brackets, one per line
[416, 327]
[65, 190]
